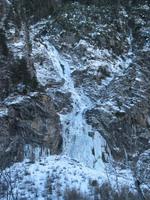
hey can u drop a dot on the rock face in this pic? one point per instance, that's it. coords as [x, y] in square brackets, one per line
[122, 116]
[63, 102]
[28, 120]
[143, 167]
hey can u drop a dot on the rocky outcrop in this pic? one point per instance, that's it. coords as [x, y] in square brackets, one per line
[143, 168]
[28, 120]
[122, 115]
[63, 102]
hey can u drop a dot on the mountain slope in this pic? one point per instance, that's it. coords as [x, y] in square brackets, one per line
[75, 84]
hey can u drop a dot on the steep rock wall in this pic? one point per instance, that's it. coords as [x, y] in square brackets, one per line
[122, 115]
[28, 120]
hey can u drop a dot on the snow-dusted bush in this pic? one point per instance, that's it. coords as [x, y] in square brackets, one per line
[73, 194]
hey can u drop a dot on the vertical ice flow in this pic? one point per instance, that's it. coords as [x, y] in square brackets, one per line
[76, 140]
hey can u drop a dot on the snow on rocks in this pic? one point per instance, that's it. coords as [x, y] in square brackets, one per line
[3, 112]
[11, 100]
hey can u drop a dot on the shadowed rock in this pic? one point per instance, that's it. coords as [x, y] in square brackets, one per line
[31, 120]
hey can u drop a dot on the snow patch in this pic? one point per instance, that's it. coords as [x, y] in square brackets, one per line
[15, 100]
[3, 112]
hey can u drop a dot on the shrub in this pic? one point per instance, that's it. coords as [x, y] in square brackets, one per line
[48, 185]
[105, 192]
[73, 194]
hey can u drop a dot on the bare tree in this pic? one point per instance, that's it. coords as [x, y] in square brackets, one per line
[7, 187]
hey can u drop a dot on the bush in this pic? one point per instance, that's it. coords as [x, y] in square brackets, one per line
[105, 192]
[48, 185]
[73, 194]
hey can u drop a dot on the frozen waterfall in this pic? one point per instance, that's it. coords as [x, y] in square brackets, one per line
[80, 142]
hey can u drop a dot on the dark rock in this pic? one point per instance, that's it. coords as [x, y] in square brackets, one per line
[143, 168]
[63, 102]
[33, 120]
[122, 117]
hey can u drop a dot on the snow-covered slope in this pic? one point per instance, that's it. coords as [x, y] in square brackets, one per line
[58, 177]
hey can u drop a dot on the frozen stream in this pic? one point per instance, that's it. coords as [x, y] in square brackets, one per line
[80, 142]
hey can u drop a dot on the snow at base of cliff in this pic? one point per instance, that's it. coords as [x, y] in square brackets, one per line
[51, 177]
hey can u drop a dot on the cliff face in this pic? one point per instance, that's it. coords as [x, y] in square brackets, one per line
[28, 120]
[77, 84]
[122, 115]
